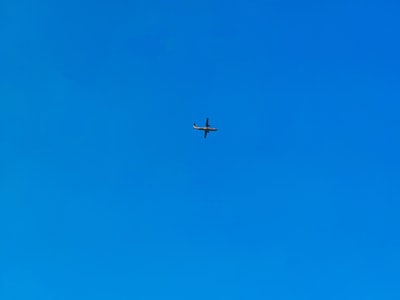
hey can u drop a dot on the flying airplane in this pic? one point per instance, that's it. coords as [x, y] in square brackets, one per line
[206, 128]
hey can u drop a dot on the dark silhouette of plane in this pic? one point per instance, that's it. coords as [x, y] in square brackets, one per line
[206, 128]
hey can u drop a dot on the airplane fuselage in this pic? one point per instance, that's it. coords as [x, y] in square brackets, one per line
[205, 128]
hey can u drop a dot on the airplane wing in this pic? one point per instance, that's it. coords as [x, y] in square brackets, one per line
[205, 133]
[207, 122]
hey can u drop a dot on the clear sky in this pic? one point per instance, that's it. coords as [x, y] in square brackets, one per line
[106, 191]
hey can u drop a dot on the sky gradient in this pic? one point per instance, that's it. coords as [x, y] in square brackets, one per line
[106, 191]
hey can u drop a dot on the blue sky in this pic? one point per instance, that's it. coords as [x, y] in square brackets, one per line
[106, 192]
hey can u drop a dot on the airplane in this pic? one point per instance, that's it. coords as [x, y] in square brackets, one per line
[206, 128]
